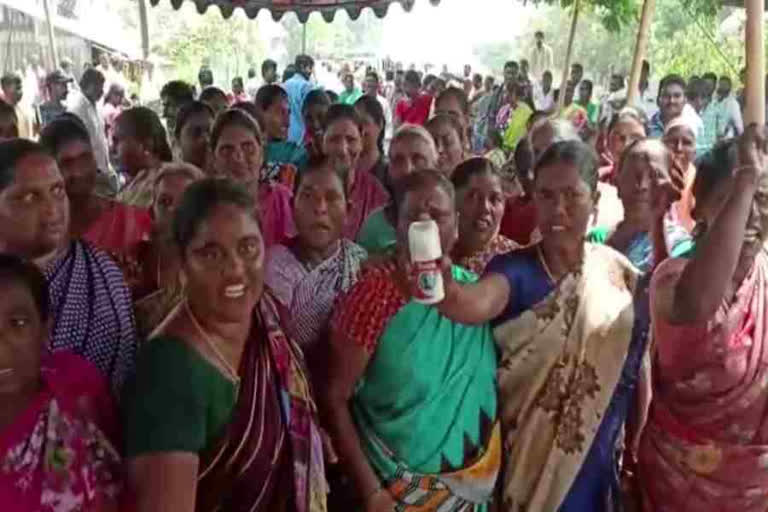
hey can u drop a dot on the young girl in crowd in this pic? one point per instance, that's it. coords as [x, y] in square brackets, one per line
[57, 419]
[282, 158]
[374, 128]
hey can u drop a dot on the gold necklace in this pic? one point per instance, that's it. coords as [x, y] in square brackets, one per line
[544, 265]
[207, 338]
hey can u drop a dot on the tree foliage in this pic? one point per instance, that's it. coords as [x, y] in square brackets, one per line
[617, 14]
[684, 39]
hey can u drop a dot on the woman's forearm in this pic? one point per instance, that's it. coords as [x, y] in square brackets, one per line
[658, 241]
[475, 303]
[704, 282]
[347, 444]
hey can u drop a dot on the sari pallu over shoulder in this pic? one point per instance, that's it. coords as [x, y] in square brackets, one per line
[706, 442]
[561, 362]
[242, 471]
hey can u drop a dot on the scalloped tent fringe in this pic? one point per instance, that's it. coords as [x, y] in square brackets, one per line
[302, 8]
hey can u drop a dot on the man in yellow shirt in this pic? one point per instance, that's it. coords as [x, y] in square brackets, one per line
[13, 91]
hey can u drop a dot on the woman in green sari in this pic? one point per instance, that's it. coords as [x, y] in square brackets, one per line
[412, 395]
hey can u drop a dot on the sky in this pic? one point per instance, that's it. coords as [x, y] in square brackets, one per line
[442, 34]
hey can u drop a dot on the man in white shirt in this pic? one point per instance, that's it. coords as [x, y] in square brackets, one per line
[83, 104]
[252, 85]
[541, 57]
[371, 88]
[543, 94]
[729, 121]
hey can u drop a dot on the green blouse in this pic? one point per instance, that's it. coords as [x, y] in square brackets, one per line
[177, 401]
[377, 236]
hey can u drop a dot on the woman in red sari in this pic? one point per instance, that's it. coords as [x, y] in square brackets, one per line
[343, 145]
[705, 446]
[111, 226]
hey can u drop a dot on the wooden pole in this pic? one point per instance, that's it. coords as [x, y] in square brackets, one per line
[144, 25]
[755, 86]
[51, 36]
[641, 46]
[567, 65]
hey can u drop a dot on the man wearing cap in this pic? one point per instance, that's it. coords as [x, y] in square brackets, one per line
[57, 86]
[13, 90]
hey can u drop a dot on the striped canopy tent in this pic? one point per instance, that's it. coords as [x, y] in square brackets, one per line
[302, 8]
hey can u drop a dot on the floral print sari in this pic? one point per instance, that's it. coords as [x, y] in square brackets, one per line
[705, 446]
[56, 456]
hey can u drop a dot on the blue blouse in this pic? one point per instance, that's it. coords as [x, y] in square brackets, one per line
[596, 486]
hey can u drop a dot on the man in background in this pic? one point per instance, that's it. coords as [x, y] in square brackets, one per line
[57, 86]
[730, 123]
[83, 104]
[13, 91]
[543, 94]
[541, 56]
[269, 72]
[252, 85]
[371, 87]
[205, 77]
[174, 95]
[297, 87]
[577, 73]
[707, 109]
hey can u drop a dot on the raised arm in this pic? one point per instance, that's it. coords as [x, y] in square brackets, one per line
[705, 280]
[476, 303]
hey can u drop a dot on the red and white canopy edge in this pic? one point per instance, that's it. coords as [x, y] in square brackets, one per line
[302, 8]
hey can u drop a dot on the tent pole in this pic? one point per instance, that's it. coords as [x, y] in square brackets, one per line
[51, 35]
[144, 26]
[567, 65]
[641, 47]
[755, 86]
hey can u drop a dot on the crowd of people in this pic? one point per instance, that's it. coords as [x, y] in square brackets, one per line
[212, 307]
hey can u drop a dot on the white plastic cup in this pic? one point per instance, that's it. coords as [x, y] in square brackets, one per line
[426, 252]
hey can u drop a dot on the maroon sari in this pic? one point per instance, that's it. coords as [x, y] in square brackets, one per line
[271, 457]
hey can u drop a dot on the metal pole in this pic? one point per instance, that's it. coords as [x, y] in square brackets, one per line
[755, 87]
[51, 36]
[640, 48]
[564, 82]
[144, 25]
[304, 38]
